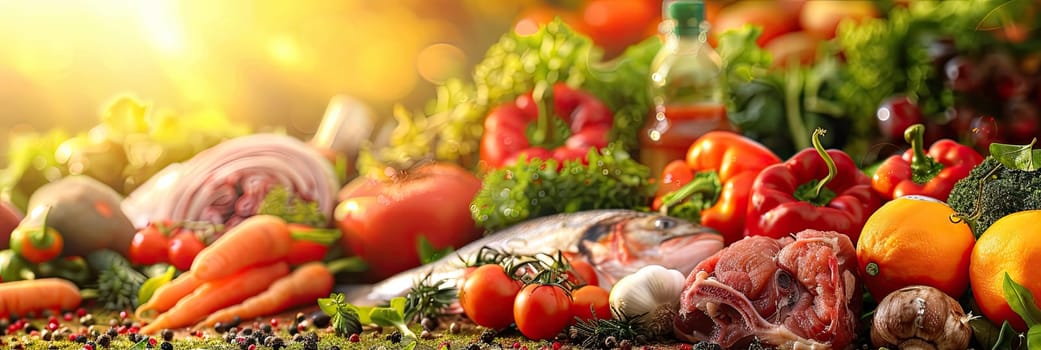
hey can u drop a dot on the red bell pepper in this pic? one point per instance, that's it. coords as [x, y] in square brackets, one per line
[713, 184]
[814, 189]
[579, 122]
[916, 172]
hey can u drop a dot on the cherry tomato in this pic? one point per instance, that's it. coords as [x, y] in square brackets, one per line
[590, 302]
[37, 244]
[582, 273]
[149, 246]
[542, 311]
[184, 246]
[487, 296]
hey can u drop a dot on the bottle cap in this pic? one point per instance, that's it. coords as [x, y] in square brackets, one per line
[686, 15]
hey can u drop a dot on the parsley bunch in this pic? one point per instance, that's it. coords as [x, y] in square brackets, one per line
[534, 187]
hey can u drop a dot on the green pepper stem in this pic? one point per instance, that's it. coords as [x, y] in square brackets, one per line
[706, 182]
[317, 235]
[832, 170]
[542, 94]
[923, 167]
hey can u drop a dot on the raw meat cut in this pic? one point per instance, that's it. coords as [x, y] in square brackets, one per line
[789, 293]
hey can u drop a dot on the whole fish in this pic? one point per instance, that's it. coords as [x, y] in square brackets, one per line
[615, 242]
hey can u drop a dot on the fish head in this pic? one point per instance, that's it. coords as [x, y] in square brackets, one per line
[622, 247]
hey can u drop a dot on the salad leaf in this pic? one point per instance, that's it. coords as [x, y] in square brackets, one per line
[534, 187]
[343, 316]
[152, 284]
[450, 127]
[1018, 157]
[392, 316]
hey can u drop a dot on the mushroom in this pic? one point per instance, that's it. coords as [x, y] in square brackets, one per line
[920, 317]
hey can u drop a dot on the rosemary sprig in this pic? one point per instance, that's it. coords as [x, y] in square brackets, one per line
[608, 333]
[428, 298]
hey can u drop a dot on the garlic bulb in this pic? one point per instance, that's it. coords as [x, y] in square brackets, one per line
[652, 295]
[920, 317]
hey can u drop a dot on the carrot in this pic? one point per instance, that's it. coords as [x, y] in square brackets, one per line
[258, 239]
[22, 297]
[304, 286]
[166, 296]
[218, 294]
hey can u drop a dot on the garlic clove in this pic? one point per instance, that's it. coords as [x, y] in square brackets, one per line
[652, 294]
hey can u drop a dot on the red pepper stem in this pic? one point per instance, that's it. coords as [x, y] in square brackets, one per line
[543, 95]
[317, 235]
[706, 183]
[832, 170]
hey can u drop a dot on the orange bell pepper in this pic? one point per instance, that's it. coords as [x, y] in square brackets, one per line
[712, 185]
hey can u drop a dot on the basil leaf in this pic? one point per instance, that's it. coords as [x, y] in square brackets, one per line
[427, 252]
[1034, 337]
[329, 305]
[1019, 157]
[1021, 301]
[1006, 338]
[385, 317]
[152, 284]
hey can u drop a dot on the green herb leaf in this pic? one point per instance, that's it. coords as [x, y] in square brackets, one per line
[152, 284]
[343, 316]
[427, 252]
[1019, 157]
[1033, 337]
[281, 203]
[1021, 301]
[1006, 338]
[393, 316]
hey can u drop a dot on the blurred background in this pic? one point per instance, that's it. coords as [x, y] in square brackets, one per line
[263, 62]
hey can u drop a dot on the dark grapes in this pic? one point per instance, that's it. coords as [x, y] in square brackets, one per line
[896, 114]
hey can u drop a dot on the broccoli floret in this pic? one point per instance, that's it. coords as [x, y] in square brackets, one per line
[1002, 191]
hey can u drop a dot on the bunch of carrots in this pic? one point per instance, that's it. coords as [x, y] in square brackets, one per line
[245, 273]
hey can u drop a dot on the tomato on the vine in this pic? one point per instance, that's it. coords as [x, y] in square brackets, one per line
[590, 302]
[582, 273]
[184, 246]
[149, 245]
[542, 311]
[487, 296]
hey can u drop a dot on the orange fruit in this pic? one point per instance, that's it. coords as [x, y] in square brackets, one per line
[911, 240]
[1013, 245]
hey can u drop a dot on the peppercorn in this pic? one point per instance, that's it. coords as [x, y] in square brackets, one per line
[320, 319]
[229, 337]
[82, 339]
[293, 330]
[245, 332]
[220, 328]
[334, 347]
[488, 336]
[104, 340]
[52, 347]
[354, 338]
[426, 334]
[298, 338]
[454, 328]
[394, 337]
[112, 333]
[310, 346]
[167, 335]
[166, 346]
[91, 344]
[473, 346]
[429, 324]
[266, 329]
[87, 320]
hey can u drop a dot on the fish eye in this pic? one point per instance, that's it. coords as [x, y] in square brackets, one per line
[664, 223]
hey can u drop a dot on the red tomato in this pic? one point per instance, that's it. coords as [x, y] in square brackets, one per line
[616, 24]
[771, 16]
[381, 221]
[821, 18]
[542, 311]
[582, 273]
[9, 219]
[149, 246]
[590, 302]
[184, 246]
[304, 251]
[487, 296]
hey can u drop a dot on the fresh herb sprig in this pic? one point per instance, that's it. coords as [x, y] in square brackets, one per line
[343, 317]
[533, 187]
[608, 333]
[428, 298]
